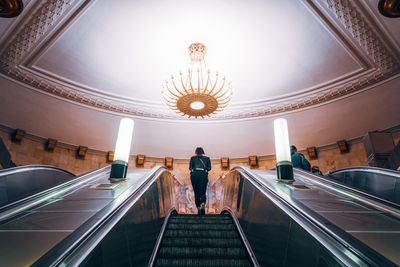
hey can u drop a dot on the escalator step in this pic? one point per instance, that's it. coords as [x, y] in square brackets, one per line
[201, 234]
[210, 240]
[202, 242]
[203, 262]
[208, 253]
[192, 220]
[192, 226]
[197, 216]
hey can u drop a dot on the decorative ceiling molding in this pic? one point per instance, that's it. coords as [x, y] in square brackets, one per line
[50, 18]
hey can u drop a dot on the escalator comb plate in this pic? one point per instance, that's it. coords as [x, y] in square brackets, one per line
[103, 187]
[299, 187]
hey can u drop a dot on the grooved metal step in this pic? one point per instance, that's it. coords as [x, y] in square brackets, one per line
[202, 234]
[203, 263]
[209, 227]
[202, 242]
[201, 220]
[209, 253]
[207, 240]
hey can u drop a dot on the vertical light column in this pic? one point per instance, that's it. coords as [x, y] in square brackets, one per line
[119, 166]
[284, 165]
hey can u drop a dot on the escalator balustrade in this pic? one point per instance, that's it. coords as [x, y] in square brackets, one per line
[284, 227]
[209, 240]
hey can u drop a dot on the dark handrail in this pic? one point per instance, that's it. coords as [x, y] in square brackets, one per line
[388, 172]
[21, 205]
[349, 188]
[27, 168]
[329, 235]
[246, 243]
[85, 238]
[153, 257]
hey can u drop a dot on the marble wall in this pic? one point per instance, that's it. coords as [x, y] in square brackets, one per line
[328, 160]
[32, 152]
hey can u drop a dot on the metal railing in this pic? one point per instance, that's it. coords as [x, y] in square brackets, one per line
[344, 247]
[17, 207]
[20, 182]
[256, 206]
[382, 183]
[74, 249]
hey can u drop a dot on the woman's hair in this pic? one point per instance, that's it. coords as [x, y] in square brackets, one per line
[199, 151]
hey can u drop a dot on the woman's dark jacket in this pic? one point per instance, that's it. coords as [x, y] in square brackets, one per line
[200, 163]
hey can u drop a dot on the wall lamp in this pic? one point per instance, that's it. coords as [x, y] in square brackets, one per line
[119, 167]
[284, 165]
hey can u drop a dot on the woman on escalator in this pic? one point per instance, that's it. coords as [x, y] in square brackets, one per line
[199, 167]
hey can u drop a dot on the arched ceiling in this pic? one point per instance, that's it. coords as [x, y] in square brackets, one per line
[264, 51]
[106, 59]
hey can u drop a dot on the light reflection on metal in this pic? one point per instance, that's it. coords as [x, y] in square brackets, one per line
[10, 8]
[321, 181]
[205, 89]
[57, 191]
[389, 8]
[380, 183]
[262, 193]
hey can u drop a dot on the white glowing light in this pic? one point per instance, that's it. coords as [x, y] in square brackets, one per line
[197, 105]
[282, 147]
[123, 145]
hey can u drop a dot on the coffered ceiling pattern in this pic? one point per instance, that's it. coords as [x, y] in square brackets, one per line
[346, 20]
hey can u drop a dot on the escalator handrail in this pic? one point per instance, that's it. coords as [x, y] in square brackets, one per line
[76, 246]
[328, 235]
[332, 182]
[27, 168]
[21, 205]
[246, 243]
[157, 247]
[243, 237]
[387, 172]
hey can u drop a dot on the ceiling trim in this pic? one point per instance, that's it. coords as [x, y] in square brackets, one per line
[345, 19]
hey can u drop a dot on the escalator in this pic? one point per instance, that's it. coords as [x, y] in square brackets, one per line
[211, 240]
[366, 225]
[20, 182]
[33, 225]
[382, 183]
[275, 224]
[258, 221]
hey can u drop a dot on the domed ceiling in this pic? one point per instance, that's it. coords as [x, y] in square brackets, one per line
[283, 56]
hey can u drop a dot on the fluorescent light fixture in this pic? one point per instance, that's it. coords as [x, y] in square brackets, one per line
[123, 146]
[282, 146]
[282, 149]
[119, 166]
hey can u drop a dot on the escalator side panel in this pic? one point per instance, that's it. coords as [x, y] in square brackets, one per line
[379, 182]
[131, 241]
[20, 182]
[276, 239]
[56, 216]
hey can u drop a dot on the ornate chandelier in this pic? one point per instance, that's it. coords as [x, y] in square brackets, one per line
[200, 92]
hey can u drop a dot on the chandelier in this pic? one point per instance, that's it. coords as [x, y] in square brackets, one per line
[200, 92]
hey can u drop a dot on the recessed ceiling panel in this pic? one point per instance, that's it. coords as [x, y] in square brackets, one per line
[267, 48]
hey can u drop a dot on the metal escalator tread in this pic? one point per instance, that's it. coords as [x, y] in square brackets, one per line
[203, 242]
[203, 262]
[208, 240]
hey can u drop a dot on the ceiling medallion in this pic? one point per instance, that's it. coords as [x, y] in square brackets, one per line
[199, 93]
